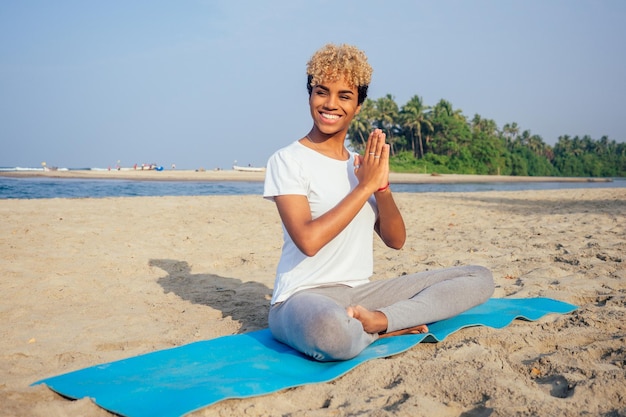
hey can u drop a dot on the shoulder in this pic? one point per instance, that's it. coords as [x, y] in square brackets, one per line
[286, 172]
[293, 149]
[294, 154]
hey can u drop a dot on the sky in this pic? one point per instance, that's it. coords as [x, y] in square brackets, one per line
[202, 84]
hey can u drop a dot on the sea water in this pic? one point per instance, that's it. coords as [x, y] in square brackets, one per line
[37, 187]
[44, 187]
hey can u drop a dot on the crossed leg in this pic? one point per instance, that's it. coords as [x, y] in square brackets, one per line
[376, 322]
[336, 323]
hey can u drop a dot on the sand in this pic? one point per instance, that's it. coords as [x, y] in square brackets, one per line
[86, 281]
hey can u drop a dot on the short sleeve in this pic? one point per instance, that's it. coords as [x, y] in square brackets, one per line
[283, 175]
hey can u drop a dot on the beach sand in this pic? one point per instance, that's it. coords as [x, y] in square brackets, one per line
[87, 281]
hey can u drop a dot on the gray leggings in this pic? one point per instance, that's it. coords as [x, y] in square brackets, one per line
[315, 321]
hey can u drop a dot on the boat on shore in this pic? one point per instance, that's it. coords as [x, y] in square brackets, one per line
[248, 168]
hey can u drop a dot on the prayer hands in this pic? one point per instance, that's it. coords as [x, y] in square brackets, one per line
[372, 169]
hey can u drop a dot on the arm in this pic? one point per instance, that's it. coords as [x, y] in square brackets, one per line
[309, 234]
[390, 225]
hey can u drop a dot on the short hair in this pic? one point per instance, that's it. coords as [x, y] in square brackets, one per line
[333, 62]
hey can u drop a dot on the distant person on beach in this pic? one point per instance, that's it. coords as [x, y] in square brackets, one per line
[330, 202]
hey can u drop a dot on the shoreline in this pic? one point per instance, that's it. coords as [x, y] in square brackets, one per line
[232, 175]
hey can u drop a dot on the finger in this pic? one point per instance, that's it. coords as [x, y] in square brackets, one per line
[369, 145]
[384, 152]
[379, 145]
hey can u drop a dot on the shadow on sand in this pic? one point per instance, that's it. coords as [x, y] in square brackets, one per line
[245, 302]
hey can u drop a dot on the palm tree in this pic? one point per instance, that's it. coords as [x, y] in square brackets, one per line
[563, 145]
[361, 125]
[486, 126]
[414, 118]
[451, 129]
[577, 146]
[510, 132]
[387, 116]
[536, 144]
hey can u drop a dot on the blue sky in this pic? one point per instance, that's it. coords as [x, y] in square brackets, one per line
[204, 83]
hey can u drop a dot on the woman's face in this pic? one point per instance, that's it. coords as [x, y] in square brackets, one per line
[333, 106]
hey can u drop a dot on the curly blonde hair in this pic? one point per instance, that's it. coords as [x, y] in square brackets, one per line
[332, 62]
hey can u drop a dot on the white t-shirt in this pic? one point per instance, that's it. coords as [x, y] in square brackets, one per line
[348, 258]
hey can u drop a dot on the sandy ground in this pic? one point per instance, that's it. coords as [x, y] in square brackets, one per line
[86, 281]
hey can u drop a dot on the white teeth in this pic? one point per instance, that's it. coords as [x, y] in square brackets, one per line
[330, 116]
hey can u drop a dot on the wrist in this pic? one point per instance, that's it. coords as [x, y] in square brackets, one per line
[385, 188]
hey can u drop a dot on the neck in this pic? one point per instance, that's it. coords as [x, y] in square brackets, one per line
[331, 146]
[316, 136]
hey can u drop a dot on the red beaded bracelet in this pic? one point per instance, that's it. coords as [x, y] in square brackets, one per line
[383, 188]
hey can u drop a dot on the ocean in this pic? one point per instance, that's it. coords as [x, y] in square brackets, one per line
[44, 187]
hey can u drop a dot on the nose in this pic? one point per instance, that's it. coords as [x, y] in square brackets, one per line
[331, 101]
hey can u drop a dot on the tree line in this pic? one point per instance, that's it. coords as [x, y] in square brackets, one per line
[440, 139]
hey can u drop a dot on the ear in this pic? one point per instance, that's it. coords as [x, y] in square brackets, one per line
[358, 110]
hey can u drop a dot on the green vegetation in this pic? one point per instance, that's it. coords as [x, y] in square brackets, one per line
[440, 139]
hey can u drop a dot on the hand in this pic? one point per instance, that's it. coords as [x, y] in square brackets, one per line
[372, 169]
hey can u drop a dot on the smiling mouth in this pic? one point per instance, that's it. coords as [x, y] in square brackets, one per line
[330, 116]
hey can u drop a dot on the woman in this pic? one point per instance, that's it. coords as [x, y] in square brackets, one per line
[330, 201]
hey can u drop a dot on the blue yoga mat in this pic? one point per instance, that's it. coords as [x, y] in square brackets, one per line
[177, 381]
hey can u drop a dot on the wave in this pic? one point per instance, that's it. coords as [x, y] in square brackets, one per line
[39, 169]
[10, 169]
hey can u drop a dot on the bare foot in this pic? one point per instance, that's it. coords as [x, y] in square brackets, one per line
[372, 321]
[422, 328]
[376, 322]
